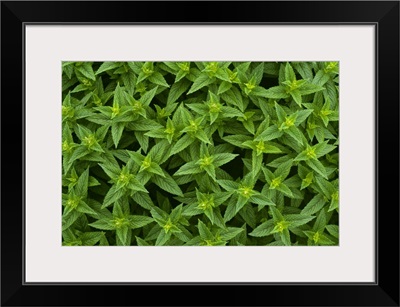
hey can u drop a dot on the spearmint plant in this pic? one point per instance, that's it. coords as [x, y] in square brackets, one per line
[200, 153]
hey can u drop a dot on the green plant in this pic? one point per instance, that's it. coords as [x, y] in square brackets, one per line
[200, 153]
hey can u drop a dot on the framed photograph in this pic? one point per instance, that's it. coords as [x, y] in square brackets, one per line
[241, 153]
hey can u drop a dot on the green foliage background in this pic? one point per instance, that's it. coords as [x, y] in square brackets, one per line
[200, 153]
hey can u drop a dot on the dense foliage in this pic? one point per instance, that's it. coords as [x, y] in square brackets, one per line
[200, 153]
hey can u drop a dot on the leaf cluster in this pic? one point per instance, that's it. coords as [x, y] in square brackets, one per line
[200, 153]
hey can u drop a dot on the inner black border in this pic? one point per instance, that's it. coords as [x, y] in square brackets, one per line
[385, 15]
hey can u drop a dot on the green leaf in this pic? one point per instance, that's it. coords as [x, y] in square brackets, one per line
[271, 149]
[182, 143]
[177, 89]
[284, 169]
[276, 92]
[269, 134]
[116, 132]
[230, 232]
[142, 139]
[320, 222]
[78, 153]
[315, 204]
[285, 190]
[158, 151]
[87, 70]
[136, 157]
[297, 220]
[91, 238]
[223, 158]
[276, 214]
[167, 184]
[188, 168]
[256, 163]
[289, 73]
[304, 69]
[163, 238]
[223, 87]
[324, 148]
[198, 107]
[143, 124]
[157, 134]
[241, 202]
[81, 188]
[261, 200]
[234, 97]
[148, 97]
[324, 240]
[111, 168]
[103, 224]
[318, 167]
[204, 232]
[84, 208]
[106, 66]
[285, 237]
[320, 78]
[158, 79]
[302, 115]
[143, 199]
[69, 219]
[296, 95]
[333, 230]
[264, 229]
[307, 89]
[138, 221]
[280, 112]
[112, 196]
[231, 112]
[122, 235]
[237, 140]
[228, 185]
[202, 136]
[201, 81]
[156, 169]
[334, 205]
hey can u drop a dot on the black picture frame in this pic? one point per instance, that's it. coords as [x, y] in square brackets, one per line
[384, 15]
